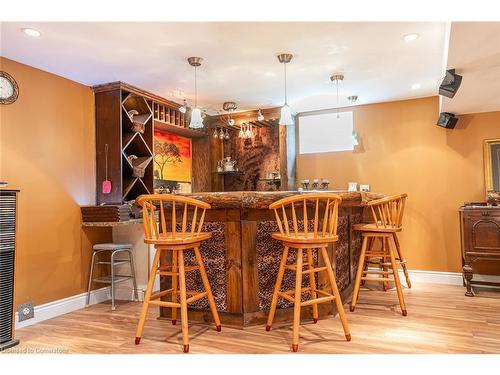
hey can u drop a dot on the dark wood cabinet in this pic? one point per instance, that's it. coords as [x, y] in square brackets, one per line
[480, 231]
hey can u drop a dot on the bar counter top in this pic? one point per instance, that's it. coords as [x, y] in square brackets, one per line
[262, 199]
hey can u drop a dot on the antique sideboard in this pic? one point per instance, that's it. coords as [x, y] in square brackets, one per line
[480, 232]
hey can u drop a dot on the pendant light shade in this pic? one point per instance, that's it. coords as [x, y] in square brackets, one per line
[196, 120]
[286, 116]
[286, 112]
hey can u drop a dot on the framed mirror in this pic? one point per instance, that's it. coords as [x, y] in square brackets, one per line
[492, 164]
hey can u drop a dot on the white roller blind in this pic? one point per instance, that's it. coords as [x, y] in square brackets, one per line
[325, 133]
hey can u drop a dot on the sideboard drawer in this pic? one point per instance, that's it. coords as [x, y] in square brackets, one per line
[483, 234]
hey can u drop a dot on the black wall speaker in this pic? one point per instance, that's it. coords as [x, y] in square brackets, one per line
[450, 84]
[447, 120]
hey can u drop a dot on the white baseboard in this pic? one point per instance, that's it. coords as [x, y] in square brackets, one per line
[63, 306]
[448, 278]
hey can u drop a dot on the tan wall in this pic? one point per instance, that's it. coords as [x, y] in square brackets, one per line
[47, 150]
[402, 150]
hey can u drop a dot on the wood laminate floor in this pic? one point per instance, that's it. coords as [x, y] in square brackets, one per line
[440, 320]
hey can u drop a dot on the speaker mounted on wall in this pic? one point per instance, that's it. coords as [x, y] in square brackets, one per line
[450, 84]
[447, 120]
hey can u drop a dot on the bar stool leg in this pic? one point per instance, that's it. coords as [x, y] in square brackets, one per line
[90, 278]
[335, 290]
[297, 301]
[184, 313]
[396, 278]
[277, 288]
[402, 260]
[113, 280]
[371, 241]
[147, 297]
[312, 282]
[174, 286]
[384, 259]
[359, 273]
[132, 270]
[208, 289]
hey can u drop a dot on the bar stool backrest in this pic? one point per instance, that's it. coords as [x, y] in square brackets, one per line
[162, 209]
[322, 208]
[388, 212]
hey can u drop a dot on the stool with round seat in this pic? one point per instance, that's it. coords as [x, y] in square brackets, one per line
[307, 222]
[173, 224]
[387, 215]
[114, 249]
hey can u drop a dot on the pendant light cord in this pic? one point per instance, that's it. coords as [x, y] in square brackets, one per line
[286, 99]
[195, 89]
[338, 115]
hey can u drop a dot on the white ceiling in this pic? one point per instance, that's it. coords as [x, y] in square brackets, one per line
[240, 59]
[474, 51]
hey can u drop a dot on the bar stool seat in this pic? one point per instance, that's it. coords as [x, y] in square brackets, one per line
[112, 246]
[113, 278]
[375, 228]
[185, 235]
[179, 238]
[319, 229]
[308, 238]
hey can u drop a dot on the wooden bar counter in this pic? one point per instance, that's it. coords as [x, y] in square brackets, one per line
[242, 259]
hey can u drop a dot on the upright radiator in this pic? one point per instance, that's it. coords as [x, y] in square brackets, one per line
[8, 211]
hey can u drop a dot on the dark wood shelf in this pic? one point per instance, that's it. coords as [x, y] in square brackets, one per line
[114, 128]
[228, 172]
[179, 130]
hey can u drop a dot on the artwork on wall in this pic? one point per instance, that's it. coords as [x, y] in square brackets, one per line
[172, 157]
[492, 164]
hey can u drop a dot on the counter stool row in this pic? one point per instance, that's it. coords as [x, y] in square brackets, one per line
[307, 227]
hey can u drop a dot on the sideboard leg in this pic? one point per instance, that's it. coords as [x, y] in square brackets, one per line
[467, 269]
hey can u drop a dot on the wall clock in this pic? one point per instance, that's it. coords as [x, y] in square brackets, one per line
[9, 90]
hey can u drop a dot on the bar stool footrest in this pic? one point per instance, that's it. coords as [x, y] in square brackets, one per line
[107, 279]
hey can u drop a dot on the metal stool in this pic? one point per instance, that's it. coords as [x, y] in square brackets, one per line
[112, 278]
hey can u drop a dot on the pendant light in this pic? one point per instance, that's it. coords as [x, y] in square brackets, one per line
[336, 78]
[196, 120]
[286, 112]
[230, 107]
[183, 107]
[260, 116]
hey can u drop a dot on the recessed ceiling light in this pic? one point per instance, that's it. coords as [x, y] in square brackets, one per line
[415, 86]
[410, 37]
[32, 32]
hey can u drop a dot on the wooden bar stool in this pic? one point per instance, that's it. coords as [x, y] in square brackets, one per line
[175, 236]
[319, 213]
[387, 214]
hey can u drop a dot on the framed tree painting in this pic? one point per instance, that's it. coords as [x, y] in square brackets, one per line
[172, 157]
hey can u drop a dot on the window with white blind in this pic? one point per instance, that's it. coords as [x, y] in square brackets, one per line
[326, 132]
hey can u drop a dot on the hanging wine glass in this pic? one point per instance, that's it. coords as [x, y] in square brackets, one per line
[226, 134]
[221, 133]
[215, 135]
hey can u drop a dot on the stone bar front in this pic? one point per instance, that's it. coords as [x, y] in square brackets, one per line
[242, 259]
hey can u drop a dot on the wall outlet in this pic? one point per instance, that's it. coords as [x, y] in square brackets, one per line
[25, 311]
